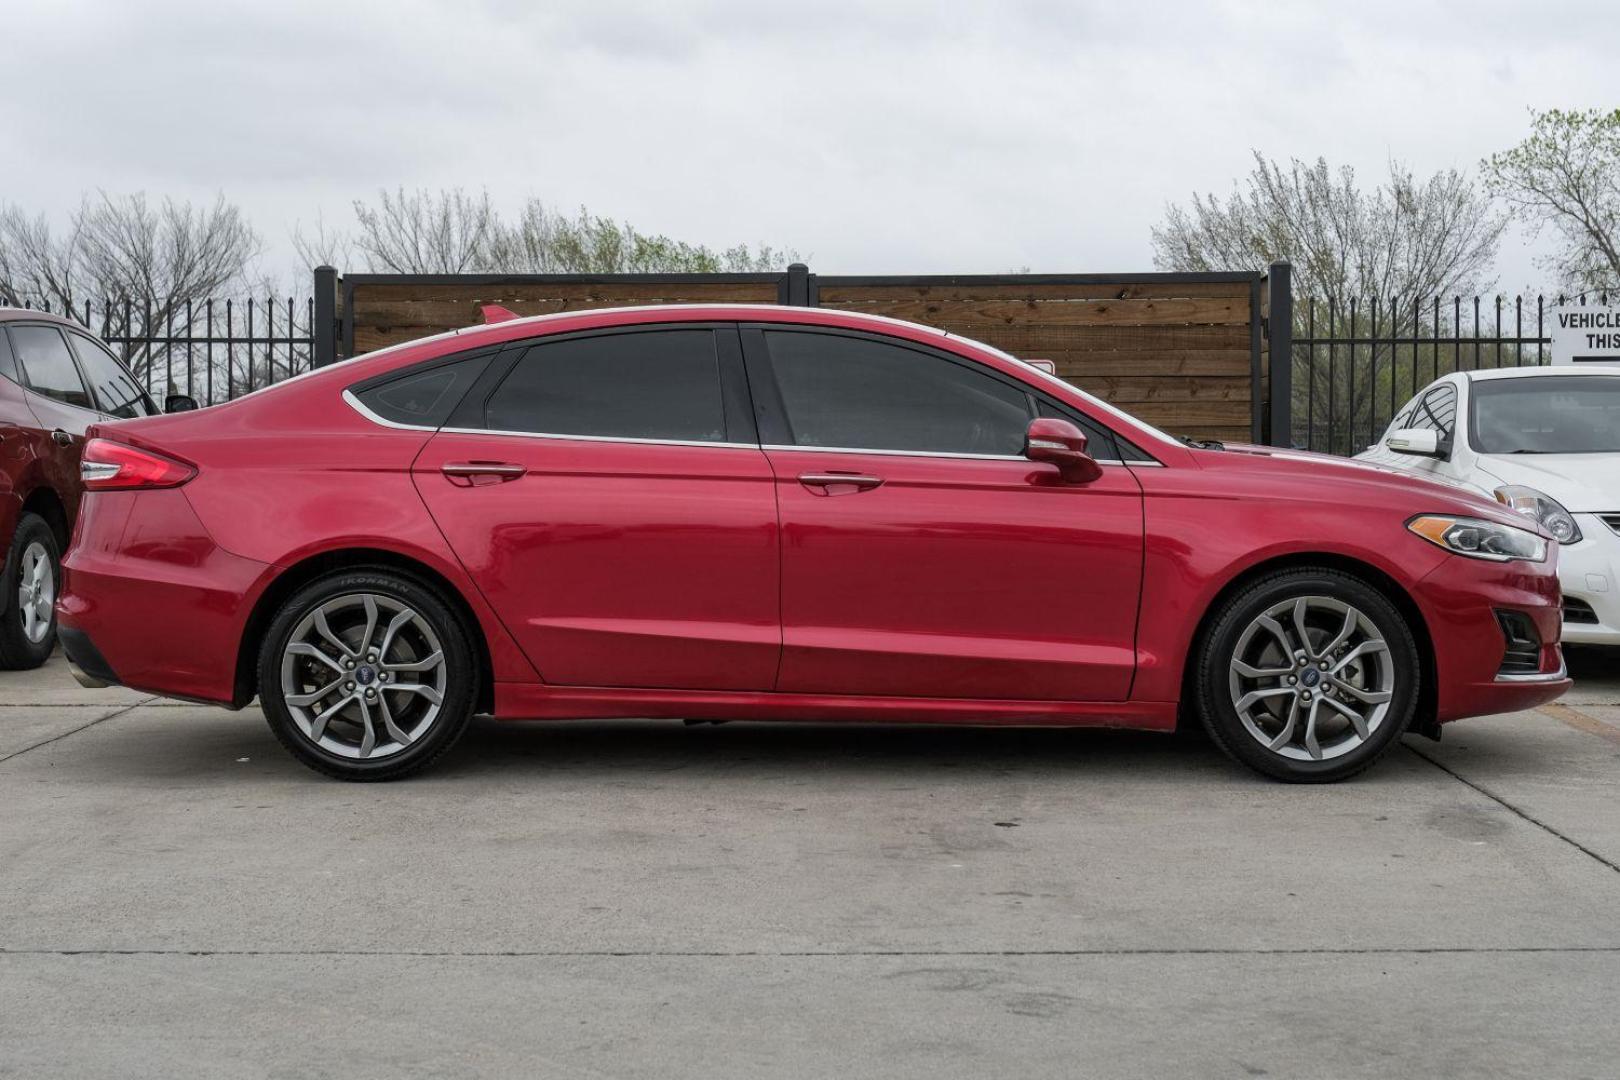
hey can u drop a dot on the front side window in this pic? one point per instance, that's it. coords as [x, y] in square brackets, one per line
[46, 365]
[657, 384]
[858, 394]
[1554, 414]
[116, 392]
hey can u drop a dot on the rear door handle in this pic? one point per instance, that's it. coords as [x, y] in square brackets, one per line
[480, 473]
[829, 481]
[61, 438]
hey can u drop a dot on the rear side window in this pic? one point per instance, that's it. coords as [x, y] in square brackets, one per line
[46, 365]
[115, 389]
[659, 384]
[423, 397]
[858, 394]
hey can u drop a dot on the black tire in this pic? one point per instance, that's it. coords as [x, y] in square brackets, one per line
[457, 698]
[1214, 677]
[17, 650]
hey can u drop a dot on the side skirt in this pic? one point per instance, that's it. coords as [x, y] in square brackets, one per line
[535, 701]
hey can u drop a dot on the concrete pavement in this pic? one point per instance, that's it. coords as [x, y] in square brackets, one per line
[179, 898]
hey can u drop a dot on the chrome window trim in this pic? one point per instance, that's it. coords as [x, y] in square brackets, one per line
[599, 438]
[360, 407]
[937, 454]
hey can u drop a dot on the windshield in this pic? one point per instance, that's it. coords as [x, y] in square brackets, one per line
[1554, 414]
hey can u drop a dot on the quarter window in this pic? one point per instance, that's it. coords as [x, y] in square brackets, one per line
[425, 397]
[1437, 411]
[657, 384]
[47, 366]
[115, 389]
[860, 394]
[8, 363]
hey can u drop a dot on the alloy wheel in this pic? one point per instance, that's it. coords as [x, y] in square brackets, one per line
[363, 676]
[1312, 678]
[36, 591]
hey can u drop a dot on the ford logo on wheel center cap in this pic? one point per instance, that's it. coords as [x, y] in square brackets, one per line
[364, 674]
[1310, 676]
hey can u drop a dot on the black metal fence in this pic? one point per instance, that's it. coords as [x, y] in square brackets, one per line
[213, 350]
[1356, 364]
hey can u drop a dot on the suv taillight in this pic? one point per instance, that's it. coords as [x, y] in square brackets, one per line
[116, 466]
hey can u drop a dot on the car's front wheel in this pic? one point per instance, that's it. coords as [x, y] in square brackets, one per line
[367, 675]
[1307, 675]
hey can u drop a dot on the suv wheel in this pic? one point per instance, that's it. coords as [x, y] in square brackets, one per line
[1307, 675]
[33, 566]
[367, 675]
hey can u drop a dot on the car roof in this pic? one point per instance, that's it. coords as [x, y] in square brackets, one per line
[17, 314]
[1488, 374]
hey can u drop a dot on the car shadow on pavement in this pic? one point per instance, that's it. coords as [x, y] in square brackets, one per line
[192, 747]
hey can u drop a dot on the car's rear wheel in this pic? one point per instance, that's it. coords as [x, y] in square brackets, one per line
[34, 566]
[367, 675]
[1307, 675]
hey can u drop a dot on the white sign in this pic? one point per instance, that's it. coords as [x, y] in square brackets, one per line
[1586, 335]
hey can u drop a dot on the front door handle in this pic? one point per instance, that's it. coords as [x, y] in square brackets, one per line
[61, 438]
[481, 473]
[840, 483]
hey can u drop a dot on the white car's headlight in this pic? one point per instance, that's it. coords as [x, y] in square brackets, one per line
[1480, 539]
[1544, 508]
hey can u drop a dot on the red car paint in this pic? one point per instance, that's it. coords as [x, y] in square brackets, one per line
[623, 578]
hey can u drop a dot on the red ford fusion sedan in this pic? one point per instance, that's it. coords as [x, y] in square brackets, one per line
[735, 512]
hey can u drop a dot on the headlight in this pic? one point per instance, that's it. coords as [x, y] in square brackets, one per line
[1480, 539]
[1544, 508]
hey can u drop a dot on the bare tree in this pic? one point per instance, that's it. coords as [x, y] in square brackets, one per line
[1566, 175]
[141, 263]
[1407, 237]
[422, 232]
[1364, 261]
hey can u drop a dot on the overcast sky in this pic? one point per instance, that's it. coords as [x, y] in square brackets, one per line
[924, 137]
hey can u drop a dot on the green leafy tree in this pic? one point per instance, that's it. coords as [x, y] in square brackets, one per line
[1565, 176]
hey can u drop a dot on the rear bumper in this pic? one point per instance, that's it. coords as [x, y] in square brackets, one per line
[1460, 599]
[85, 661]
[165, 617]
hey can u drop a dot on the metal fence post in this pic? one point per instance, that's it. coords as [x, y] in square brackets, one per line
[798, 285]
[324, 331]
[1280, 333]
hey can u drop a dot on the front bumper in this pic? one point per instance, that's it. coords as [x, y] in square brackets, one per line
[1590, 574]
[1460, 599]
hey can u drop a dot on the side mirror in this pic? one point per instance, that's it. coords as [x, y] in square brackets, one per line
[1060, 443]
[1419, 442]
[179, 403]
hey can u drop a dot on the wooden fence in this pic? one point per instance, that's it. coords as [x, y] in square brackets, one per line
[1182, 351]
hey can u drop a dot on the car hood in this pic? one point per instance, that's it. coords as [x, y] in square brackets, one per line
[1369, 481]
[1583, 483]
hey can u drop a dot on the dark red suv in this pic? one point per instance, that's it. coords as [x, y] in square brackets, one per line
[58, 380]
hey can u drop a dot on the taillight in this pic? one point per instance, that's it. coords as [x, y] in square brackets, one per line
[116, 466]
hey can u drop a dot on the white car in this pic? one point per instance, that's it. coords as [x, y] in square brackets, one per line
[1544, 440]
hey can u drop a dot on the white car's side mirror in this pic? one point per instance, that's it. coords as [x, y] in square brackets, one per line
[1420, 442]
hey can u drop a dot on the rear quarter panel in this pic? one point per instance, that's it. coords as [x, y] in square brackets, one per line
[294, 472]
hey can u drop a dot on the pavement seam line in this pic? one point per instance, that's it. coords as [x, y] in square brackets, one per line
[1525, 815]
[83, 727]
[1417, 950]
